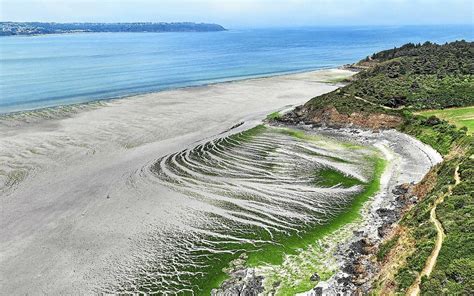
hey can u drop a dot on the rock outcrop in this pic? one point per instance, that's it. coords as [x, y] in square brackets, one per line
[329, 116]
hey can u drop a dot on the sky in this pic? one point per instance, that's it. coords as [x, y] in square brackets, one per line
[244, 13]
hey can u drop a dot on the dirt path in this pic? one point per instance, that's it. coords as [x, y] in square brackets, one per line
[414, 290]
[375, 104]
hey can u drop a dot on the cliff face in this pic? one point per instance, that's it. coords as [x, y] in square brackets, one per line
[330, 116]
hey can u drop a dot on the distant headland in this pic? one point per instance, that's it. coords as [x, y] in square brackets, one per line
[38, 28]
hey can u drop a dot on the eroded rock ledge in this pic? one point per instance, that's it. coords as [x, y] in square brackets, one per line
[329, 116]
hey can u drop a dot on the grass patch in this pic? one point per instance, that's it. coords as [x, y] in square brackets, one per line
[299, 134]
[296, 134]
[460, 117]
[437, 133]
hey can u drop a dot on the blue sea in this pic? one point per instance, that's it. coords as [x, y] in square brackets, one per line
[52, 70]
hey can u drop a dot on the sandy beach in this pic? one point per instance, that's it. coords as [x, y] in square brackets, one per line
[67, 212]
[79, 213]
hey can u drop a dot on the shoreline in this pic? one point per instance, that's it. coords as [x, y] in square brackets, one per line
[69, 183]
[225, 80]
[374, 214]
[381, 213]
[138, 101]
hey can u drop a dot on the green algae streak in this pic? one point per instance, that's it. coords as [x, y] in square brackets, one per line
[294, 243]
[320, 232]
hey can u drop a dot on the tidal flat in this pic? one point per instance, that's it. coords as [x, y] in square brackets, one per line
[162, 192]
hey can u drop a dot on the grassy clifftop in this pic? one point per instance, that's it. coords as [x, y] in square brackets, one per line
[389, 92]
[414, 77]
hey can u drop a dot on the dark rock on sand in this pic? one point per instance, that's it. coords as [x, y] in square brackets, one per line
[318, 291]
[315, 277]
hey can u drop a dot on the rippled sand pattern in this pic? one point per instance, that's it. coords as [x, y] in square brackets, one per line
[260, 189]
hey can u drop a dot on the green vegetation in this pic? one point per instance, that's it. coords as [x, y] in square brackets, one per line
[427, 76]
[404, 82]
[460, 117]
[330, 178]
[274, 116]
[420, 75]
[453, 273]
[248, 134]
[437, 133]
[385, 247]
[299, 134]
[292, 245]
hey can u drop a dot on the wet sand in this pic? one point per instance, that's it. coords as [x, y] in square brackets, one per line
[70, 214]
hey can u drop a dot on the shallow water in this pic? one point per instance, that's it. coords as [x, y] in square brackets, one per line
[42, 71]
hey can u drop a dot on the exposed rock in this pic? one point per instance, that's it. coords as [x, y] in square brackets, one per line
[315, 277]
[318, 291]
[387, 214]
[330, 117]
[248, 285]
[401, 189]
[243, 281]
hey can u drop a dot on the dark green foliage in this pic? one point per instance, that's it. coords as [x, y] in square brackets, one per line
[435, 132]
[397, 82]
[420, 76]
[385, 247]
[429, 58]
[424, 235]
[454, 271]
[420, 91]
[427, 76]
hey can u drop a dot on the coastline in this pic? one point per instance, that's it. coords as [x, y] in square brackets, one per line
[407, 162]
[207, 83]
[72, 163]
[23, 123]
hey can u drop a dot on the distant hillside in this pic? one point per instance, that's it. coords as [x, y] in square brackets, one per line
[36, 28]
